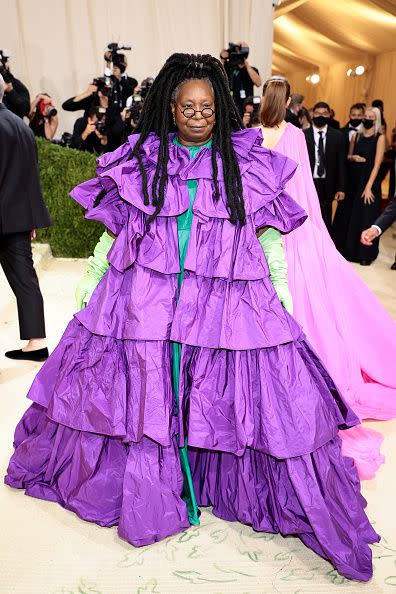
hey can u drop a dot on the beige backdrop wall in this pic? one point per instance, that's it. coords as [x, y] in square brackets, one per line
[57, 45]
[341, 91]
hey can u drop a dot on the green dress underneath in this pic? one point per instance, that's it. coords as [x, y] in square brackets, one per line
[184, 223]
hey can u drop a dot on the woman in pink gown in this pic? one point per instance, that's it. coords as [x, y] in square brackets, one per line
[344, 321]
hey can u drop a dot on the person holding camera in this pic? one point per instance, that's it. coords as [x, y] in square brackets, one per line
[16, 96]
[124, 85]
[96, 94]
[43, 116]
[131, 113]
[242, 77]
[251, 112]
[91, 133]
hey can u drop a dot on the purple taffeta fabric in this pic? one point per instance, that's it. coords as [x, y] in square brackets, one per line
[260, 411]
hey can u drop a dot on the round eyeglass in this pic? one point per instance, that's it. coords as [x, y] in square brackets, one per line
[189, 112]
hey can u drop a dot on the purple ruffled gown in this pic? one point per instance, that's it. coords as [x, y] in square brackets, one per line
[260, 411]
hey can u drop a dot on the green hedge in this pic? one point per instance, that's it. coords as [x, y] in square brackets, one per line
[71, 236]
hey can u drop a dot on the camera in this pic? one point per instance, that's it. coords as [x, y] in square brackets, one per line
[146, 85]
[4, 55]
[237, 54]
[134, 107]
[100, 124]
[47, 110]
[65, 141]
[114, 48]
[105, 85]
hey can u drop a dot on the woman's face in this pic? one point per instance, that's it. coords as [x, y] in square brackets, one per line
[197, 95]
[370, 115]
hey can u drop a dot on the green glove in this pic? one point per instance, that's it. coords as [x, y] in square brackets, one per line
[272, 244]
[97, 266]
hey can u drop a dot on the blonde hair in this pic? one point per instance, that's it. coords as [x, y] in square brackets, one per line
[276, 92]
[377, 123]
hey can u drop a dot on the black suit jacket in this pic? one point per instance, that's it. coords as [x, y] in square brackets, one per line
[22, 206]
[388, 216]
[335, 160]
[345, 133]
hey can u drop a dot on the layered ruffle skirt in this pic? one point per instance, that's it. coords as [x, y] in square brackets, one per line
[101, 439]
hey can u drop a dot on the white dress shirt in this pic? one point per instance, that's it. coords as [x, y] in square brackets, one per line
[352, 131]
[316, 141]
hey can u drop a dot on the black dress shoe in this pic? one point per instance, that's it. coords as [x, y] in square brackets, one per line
[365, 262]
[393, 267]
[20, 355]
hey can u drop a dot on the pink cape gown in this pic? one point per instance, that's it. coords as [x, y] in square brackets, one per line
[344, 321]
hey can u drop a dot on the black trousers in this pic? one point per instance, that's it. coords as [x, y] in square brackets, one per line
[17, 263]
[325, 203]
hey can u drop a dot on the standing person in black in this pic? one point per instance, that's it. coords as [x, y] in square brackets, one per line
[242, 78]
[356, 115]
[294, 108]
[97, 132]
[15, 95]
[124, 85]
[342, 216]
[22, 210]
[326, 151]
[366, 152]
[332, 121]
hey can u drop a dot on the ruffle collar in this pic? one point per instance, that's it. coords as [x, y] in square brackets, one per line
[179, 156]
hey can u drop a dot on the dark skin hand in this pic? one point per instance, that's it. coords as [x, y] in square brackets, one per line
[197, 130]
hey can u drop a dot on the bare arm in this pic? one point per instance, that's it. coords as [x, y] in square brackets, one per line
[379, 155]
[33, 105]
[352, 145]
[50, 127]
[255, 77]
[87, 93]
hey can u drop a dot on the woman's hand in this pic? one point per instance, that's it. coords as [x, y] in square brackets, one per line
[368, 196]
[358, 159]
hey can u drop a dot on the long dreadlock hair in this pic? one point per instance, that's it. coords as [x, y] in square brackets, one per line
[156, 117]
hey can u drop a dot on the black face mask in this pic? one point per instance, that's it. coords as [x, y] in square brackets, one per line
[320, 121]
[356, 122]
[368, 124]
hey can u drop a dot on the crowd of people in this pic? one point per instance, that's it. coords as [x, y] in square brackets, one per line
[348, 163]
[348, 166]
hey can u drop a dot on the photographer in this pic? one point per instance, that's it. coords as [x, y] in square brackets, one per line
[130, 116]
[251, 112]
[96, 94]
[124, 85]
[91, 132]
[43, 116]
[16, 96]
[242, 77]
[134, 105]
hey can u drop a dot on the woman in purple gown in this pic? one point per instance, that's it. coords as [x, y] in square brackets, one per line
[260, 411]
